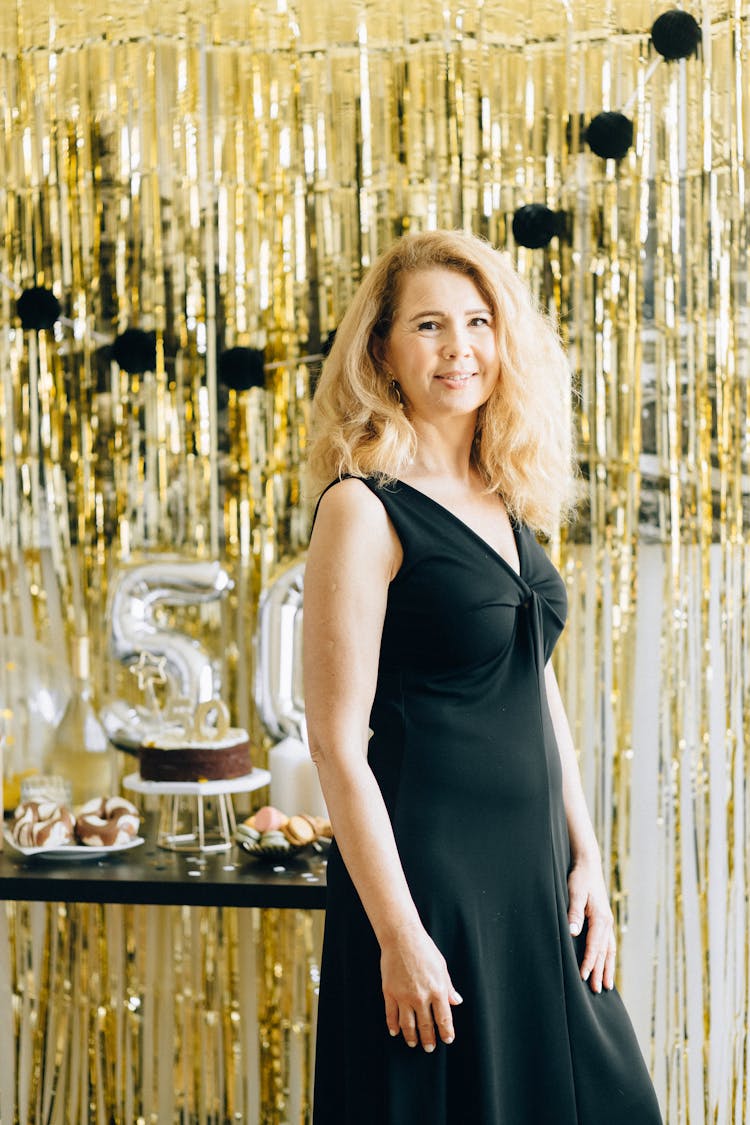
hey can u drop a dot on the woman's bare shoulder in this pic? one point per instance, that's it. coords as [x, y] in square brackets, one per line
[351, 499]
[350, 516]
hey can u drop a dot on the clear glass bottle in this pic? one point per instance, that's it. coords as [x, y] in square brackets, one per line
[81, 751]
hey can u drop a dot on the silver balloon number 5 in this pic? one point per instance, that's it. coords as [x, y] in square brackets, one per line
[137, 595]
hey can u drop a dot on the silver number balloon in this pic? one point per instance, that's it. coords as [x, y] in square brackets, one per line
[278, 655]
[138, 592]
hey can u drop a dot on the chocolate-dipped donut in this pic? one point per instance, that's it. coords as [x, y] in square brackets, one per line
[42, 824]
[105, 821]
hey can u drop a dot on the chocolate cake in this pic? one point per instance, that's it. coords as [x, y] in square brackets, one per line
[180, 758]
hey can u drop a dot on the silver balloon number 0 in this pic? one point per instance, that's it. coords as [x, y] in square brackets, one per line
[278, 655]
[295, 786]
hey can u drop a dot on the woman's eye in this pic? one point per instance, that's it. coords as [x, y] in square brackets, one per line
[479, 322]
[428, 325]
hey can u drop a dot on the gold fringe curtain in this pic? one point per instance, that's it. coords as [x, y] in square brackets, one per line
[220, 174]
[156, 1014]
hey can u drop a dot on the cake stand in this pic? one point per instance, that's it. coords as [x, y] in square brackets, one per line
[191, 829]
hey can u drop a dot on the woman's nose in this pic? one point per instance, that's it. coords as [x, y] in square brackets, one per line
[456, 342]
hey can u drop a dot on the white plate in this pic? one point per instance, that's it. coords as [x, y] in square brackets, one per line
[72, 851]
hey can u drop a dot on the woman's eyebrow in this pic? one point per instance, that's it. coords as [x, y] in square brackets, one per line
[437, 312]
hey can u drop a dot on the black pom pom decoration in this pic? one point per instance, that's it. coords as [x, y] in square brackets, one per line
[37, 308]
[676, 34]
[609, 135]
[535, 225]
[242, 368]
[135, 351]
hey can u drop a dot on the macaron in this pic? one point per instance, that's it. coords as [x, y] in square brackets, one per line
[268, 819]
[299, 831]
[322, 826]
[275, 840]
[247, 832]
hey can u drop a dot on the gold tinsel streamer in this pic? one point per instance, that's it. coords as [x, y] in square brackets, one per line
[142, 1013]
[221, 174]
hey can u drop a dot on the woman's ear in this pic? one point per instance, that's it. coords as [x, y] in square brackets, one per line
[378, 349]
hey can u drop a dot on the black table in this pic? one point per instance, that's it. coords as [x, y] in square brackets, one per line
[151, 875]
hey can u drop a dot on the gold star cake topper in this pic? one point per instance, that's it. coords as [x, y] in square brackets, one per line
[150, 670]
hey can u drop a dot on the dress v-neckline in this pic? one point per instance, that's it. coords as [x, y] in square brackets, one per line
[518, 574]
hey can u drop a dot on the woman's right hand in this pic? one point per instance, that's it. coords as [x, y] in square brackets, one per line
[417, 989]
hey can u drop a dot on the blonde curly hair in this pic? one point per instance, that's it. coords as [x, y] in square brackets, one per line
[523, 441]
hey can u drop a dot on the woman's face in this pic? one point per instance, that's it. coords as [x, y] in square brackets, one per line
[442, 349]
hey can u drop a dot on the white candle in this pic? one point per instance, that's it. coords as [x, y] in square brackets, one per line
[294, 779]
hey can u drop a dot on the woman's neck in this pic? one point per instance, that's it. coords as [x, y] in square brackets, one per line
[444, 451]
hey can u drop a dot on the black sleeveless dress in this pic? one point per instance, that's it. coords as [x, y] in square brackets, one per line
[465, 754]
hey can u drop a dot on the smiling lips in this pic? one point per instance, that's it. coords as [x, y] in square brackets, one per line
[456, 376]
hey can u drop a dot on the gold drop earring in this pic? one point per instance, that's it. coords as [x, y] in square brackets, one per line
[397, 391]
[393, 384]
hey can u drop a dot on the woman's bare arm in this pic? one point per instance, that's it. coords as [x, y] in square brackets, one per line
[586, 886]
[353, 555]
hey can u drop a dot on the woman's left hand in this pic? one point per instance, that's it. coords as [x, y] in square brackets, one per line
[589, 901]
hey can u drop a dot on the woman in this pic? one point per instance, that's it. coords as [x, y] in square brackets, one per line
[468, 963]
